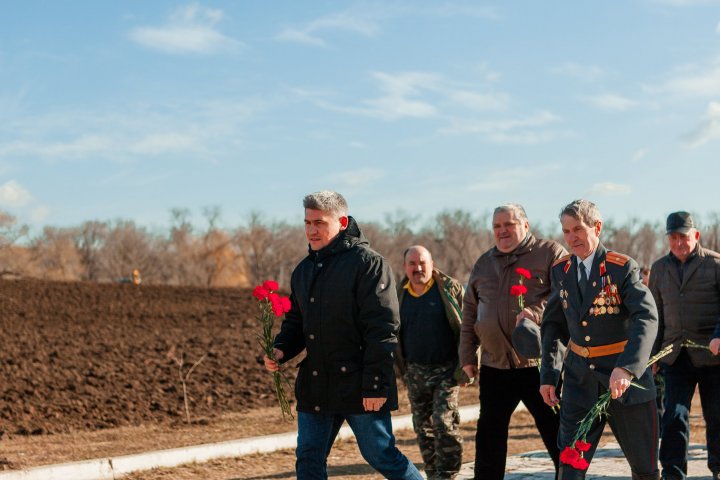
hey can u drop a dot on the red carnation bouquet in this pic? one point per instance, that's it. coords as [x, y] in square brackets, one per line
[273, 305]
[520, 289]
[574, 455]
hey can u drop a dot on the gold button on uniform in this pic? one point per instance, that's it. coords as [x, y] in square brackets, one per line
[587, 338]
[591, 366]
[584, 323]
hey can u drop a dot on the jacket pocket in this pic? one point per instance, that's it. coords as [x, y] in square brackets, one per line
[302, 388]
[347, 377]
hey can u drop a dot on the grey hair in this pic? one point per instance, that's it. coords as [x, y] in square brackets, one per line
[326, 201]
[514, 208]
[583, 210]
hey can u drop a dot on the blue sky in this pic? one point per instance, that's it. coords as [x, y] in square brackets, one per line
[128, 109]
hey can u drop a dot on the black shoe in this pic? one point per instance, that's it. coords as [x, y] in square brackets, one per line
[716, 475]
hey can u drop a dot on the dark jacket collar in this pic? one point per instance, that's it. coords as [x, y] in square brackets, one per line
[345, 240]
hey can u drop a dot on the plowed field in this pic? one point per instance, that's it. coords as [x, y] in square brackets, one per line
[86, 356]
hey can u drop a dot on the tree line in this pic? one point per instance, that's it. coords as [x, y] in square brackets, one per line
[260, 249]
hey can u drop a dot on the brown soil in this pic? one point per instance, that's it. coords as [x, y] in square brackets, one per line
[85, 356]
[88, 371]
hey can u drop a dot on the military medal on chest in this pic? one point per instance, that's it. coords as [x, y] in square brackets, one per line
[608, 299]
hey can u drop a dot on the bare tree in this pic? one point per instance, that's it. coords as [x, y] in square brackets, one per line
[127, 247]
[710, 233]
[642, 241]
[459, 238]
[270, 250]
[54, 255]
[10, 231]
[89, 239]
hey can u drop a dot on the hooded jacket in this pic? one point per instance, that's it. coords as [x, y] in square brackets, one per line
[344, 314]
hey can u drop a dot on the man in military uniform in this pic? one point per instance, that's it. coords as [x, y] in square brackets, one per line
[430, 319]
[608, 318]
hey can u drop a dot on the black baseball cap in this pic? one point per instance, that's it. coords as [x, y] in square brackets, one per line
[681, 222]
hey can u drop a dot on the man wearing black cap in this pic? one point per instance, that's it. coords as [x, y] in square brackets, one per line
[686, 287]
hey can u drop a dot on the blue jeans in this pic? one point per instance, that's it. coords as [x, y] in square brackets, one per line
[680, 380]
[373, 433]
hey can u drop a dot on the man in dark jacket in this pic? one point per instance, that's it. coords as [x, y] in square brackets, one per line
[686, 287]
[430, 319]
[601, 309]
[344, 314]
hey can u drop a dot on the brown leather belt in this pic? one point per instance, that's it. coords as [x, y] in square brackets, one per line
[597, 351]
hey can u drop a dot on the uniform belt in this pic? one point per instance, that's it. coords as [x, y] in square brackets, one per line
[599, 350]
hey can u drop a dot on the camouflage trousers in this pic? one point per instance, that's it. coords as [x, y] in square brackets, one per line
[433, 394]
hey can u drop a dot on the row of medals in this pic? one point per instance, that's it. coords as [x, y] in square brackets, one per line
[603, 303]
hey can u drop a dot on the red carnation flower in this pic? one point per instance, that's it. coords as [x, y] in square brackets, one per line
[278, 304]
[569, 456]
[517, 290]
[260, 292]
[524, 272]
[581, 464]
[582, 446]
[271, 285]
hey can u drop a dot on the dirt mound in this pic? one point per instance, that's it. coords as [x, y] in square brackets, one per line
[86, 356]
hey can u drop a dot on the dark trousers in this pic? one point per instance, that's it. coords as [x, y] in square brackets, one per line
[500, 393]
[680, 380]
[635, 427]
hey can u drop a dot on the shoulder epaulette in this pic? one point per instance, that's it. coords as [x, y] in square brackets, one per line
[561, 260]
[617, 258]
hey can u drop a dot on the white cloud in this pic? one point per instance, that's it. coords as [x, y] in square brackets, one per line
[79, 147]
[708, 130]
[639, 155]
[131, 132]
[717, 29]
[509, 178]
[479, 101]
[12, 194]
[356, 144]
[576, 70]
[420, 95]
[310, 33]
[162, 143]
[356, 178]
[522, 130]
[610, 188]
[366, 20]
[690, 81]
[190, 29]
[611, 102]
[39, 214]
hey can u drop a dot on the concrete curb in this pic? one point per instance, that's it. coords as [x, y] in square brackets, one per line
[113, 468]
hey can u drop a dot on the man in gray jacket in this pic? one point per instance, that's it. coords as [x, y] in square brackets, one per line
[686, 287]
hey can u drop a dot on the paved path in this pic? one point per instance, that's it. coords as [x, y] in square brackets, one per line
[609, 463]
